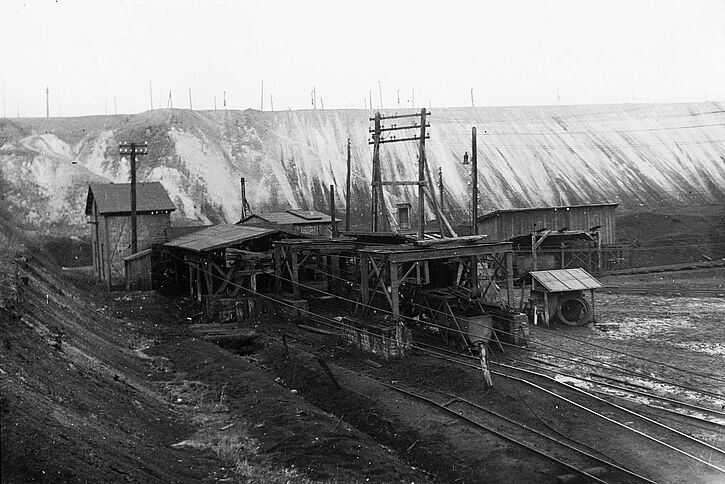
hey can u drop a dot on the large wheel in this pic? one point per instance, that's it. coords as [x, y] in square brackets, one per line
[573, 310]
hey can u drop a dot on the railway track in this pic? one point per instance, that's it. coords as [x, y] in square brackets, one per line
[574, 456]
[704, 455]
[666, 291]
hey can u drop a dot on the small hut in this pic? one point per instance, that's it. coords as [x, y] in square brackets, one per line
[108, 210]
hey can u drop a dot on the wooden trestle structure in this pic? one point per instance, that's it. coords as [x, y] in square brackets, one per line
[402, 274]
[388, 277]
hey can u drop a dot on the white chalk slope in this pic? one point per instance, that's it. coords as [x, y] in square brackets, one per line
[644, 156]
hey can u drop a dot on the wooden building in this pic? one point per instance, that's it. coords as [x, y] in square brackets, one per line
[108, 210]
[506, 224]
[306, 222]
[226, 267]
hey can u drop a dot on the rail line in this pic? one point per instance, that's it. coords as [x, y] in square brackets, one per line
[634, 391]
[616, 472]
[661, 442]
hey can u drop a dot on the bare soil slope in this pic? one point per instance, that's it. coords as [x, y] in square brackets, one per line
[82, 401]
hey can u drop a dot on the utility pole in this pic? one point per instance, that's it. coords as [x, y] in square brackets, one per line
[322, 103]
[473, 104]
[423, 173]
[380, 93]
[474, 183]
[133, 149]
[151, 96]
[314, 97]
[246, 210]
[261, 101]
[333, 221]
[440, 186]
[225, 100]
[376, 171]
[190, 105]
[47, 102]
[398, 92]
[214, 102]
[347, 190]
[271, 103]
[421, 176]
[170, 103]
[370, 94]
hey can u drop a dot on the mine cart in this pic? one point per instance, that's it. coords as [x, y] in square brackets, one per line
[559, 295]
[461, 322]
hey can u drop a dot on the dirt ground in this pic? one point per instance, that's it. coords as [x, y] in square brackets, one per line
[114, 387]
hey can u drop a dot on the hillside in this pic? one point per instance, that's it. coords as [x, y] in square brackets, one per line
[645, 156]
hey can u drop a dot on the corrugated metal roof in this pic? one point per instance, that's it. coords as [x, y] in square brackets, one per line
[560, 280]
[218, 236]
[291, 217]
[530, 209]
[116, 198]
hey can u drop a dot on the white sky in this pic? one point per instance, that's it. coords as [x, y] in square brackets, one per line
[510, 52]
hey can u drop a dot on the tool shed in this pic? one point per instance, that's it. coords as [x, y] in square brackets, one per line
[559, 295]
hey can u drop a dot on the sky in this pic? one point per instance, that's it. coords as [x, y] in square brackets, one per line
[109, 56]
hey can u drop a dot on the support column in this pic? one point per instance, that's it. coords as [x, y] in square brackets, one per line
[510, 278]
[364, 287]
[533, 252]
[394, 290]
[295, 274]
[278, 269]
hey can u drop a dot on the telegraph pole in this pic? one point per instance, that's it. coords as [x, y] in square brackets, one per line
[133, 149]
[347, 190]
[271, 103]
[214, 102]
[421, 176]
[440, 186]
[376, 171]
[261, 96]
[474, 183]
[473, 104]
[190, 105]
[151, 96]
[423, 172]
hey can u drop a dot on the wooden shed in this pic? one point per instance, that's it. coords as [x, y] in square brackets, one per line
[108, 209]
[139, 271]
[503, 225]
[306, 222]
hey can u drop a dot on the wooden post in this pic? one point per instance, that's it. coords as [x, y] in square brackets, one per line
[510, 278]
[278, 269]
[364, 288]
[333, 221]
[376, 173]
[533, 251]
[474, 182]
[394, 290]
[599, 251]
[421, 176]
[347, 192]
[440, 187]
[191, 280]
[198, 283]
[134, 235]
[295, 275]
